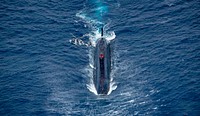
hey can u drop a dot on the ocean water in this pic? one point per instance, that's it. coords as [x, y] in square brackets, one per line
[155, 47]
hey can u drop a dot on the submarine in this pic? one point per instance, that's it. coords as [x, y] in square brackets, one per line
[102, 66]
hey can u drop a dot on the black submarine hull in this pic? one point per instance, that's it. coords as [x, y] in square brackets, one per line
[102, 66]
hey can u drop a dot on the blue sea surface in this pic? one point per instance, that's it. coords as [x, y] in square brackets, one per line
[156, 57]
